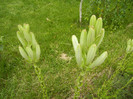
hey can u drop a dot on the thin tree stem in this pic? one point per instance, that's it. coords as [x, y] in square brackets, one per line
[80, 11]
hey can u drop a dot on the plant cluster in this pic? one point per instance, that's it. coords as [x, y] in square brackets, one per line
[113, 12]
[123, 70]
[85, 53]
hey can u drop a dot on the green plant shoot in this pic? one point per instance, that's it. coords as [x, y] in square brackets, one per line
[129, 51]
[85, 50]
[30, 51]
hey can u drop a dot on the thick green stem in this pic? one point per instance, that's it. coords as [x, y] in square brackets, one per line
[79, 84]
[40, 78]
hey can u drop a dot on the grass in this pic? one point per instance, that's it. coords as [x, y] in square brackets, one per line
[53, 22]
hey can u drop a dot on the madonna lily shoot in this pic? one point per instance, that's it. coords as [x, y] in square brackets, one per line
[30, 51]
[85, 50]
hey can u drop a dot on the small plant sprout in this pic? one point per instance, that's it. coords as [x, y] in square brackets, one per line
[85, 50]
[129, 50]
[129, 46]
[30, 51]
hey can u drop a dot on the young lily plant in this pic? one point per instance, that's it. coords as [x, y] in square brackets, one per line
[129, 51]
[85, 49]
[129, 46]
[30, 51]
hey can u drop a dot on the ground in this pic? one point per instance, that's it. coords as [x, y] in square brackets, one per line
[53, 22]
